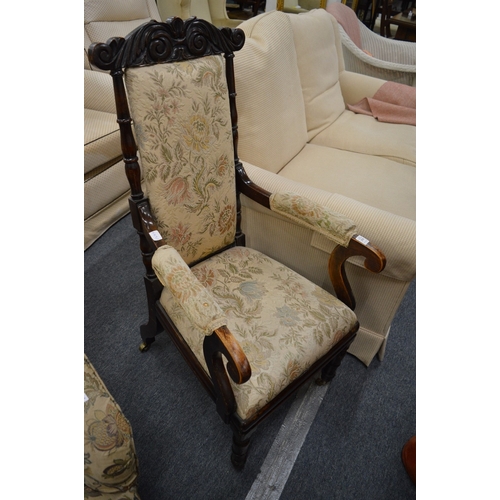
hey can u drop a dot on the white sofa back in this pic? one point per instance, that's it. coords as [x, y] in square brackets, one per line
[287, 84]
[319, 61]
[269, 98]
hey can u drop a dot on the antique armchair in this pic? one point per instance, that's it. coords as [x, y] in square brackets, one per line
[252, 330]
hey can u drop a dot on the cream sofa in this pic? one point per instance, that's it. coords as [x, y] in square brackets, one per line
[295, 134]
[106, 188]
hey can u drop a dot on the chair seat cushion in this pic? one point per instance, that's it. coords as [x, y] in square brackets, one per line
[283, 322]
[110, 461]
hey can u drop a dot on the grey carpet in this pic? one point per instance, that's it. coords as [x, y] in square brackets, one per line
[351, 450]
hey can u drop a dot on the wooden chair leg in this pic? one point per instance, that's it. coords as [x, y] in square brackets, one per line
[240, 447]
[330, 369]
[153, 326]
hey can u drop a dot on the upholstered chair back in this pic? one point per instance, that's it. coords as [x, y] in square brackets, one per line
[182, 124]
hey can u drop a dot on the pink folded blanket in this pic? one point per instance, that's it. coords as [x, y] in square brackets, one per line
[392, 103]
[347, 18]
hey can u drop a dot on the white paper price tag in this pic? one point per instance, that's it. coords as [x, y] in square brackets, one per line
[155, 235]
[362, 240]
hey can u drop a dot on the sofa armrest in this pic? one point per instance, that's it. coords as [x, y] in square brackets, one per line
[355, 86]
[98, 91]
[394, 234]
[337, 228]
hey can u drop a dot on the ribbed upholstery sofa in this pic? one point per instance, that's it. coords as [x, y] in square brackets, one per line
[295, 134]
[106, 188]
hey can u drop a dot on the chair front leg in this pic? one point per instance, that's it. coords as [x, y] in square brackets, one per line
[240, 446]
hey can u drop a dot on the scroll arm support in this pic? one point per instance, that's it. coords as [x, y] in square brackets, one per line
[375, 262]
[220, 343]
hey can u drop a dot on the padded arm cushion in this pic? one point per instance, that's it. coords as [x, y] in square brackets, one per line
[332, 225]
[196, 301]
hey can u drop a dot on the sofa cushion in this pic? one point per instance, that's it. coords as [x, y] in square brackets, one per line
[318, 64]
[364, 134]
[377, 182]
[102, 140]
[271, 116]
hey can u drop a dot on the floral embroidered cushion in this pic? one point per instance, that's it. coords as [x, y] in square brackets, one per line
[196, 301]
[282, 321]
[110, 461]
[183, 129]
[332, 225]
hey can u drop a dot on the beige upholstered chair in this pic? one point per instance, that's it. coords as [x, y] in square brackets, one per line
[251, 329]
[105, 187]
[213, 11]
[370, 54]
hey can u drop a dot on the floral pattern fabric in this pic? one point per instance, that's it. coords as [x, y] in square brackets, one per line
[111, 468]
[282, 321]
[196, 301]
[183, 129]
[332, 225]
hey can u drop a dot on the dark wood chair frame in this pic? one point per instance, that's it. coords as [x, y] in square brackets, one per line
[177, 40]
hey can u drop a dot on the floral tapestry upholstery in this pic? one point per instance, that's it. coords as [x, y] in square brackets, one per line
[183, 129]
[332, 225]
[197, 302]
[111, 467]
[282, 321]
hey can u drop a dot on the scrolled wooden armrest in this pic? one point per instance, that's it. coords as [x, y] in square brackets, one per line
[238, 365]
[358, 245]
[222, 343]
